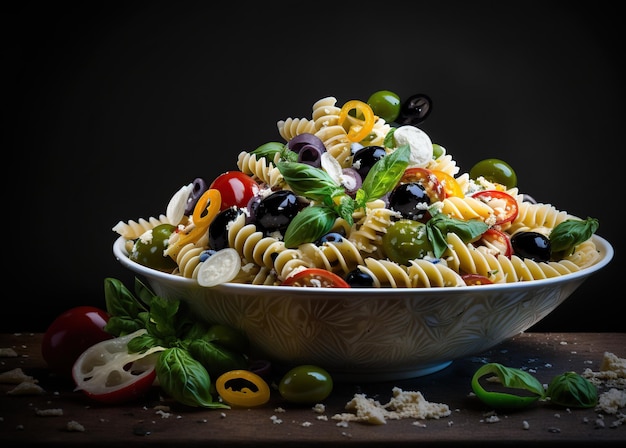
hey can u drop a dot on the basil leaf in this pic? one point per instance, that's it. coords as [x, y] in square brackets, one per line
[310, 182]
[309, 225]
[185, 379]
[123, 308]
[162, 319]
[268, 150]
[570, 233]
[514, 389]
[389, 141]
[438, 227]
[572, 390]
[216, 359]
[384, 175]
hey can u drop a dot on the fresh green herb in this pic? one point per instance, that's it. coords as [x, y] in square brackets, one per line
[384, 175]
[270, 149]
[193, 353]
[570, 233]
[309, 225]
[438, 227]
[572, 390]
[330, 197]
[512, 388]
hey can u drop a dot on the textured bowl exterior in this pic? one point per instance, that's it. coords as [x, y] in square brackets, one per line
[372, 334]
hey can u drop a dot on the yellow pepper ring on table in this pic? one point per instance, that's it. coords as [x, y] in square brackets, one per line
[242, 388]
[356, 135]
[206, 209]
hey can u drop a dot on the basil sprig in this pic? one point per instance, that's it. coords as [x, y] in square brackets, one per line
[270, 149]
[330, 199]
[438, 227]
[572, 390]
[570, 233]
[191, 356]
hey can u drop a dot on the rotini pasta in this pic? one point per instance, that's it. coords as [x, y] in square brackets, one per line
[372, 223]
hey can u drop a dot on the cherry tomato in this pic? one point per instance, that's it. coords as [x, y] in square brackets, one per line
[236, 188]
[502, 203]
[107, 373]
[476, 280]
[306, 384]
[498, 241]
[70, 334]
[242, 388]
[315, 278]
[427, 179]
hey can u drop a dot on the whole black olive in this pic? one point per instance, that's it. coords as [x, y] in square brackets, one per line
[415, 109]
[532, 245]
[218, 230]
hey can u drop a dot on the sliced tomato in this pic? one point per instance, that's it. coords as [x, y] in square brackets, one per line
[497, 241]
[476, 280]
[428, 180]
[107, 373]
[502, 203]
[315, 278]
[449, 183]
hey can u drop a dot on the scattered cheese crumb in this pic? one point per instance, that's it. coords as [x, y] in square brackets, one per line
[49, 412]
[74, 426]
[8, 352]
[525, 425]
[610, 401]
[26, 388]
[402, 405]
[319, 408]
[275, 420]
[16, 376]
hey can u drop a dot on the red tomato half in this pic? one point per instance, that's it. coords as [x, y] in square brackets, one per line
[107, 373]
[476, 280]
[498, 241]
[315, 278]
[503, 204]
[70, 334]
[236, 188]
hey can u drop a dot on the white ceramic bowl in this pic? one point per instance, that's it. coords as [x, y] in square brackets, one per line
[371, 334]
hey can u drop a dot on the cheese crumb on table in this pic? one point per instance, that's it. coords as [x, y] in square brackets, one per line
[403, 404]
[16, 376]
[611, 376]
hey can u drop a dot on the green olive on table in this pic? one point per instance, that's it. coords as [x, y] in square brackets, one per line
[306, 384]
[148, 250]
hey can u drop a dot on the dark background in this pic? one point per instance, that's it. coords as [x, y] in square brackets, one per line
[110, 107]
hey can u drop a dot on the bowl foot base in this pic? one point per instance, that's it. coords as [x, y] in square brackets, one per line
[366, 376]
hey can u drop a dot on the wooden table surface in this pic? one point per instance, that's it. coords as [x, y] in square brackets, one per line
[155, 421]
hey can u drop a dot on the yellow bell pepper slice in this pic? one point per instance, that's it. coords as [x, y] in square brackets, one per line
[449, 183]
[357, 133]
[206, 209]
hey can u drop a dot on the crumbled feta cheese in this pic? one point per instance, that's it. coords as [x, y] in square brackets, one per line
[402, 405]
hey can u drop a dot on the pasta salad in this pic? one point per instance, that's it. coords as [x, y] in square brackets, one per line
[358, 193]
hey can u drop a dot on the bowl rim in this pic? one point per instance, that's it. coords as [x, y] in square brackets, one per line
[603, 246]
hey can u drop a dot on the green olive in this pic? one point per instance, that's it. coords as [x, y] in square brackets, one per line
[385, 104]
[438, 151]
[406, 240]
[148, 249]
[306, 384]
[495, 170]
